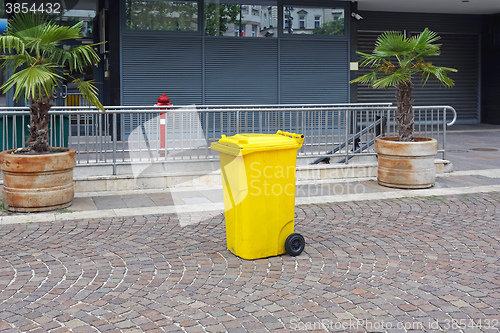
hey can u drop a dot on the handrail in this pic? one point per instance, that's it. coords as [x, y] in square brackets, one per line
[187, 109]
[454, 116]
[349, 141]
[171, 133]
[252, 107]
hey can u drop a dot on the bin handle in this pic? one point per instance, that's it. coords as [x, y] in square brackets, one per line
[298, 137]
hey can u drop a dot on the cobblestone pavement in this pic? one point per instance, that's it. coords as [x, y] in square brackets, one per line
[409, 264]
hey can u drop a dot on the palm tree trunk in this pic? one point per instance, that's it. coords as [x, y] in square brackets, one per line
[405, 111]
[39, 123]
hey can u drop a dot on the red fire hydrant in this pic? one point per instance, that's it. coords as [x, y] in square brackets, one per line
[163, 100]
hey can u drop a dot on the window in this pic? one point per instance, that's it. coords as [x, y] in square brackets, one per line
[238, 18]
[317, 21]
[162, 15]
[337, 15]
[302, 22]
[327, 21]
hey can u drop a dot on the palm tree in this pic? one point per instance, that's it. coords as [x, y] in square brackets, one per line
[395, 61]
[33, 50]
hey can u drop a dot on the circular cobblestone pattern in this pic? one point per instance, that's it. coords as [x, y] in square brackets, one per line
[413, 264]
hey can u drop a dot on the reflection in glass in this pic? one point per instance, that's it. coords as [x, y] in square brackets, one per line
[227, 18]
[162, 15]
[313, 20]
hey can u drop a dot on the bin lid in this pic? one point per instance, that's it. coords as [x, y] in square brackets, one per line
[245, 143]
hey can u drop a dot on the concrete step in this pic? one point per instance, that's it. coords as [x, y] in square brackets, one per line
[212, 177]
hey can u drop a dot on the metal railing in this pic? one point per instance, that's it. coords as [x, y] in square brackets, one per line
[141, 134]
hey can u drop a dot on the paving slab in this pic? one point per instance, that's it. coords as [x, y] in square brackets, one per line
[83, 203]
[450, 182]
[109, 202]
[483, 180]
[373, 186]
[214, 195]
[354, 187]
[132, 201]
[312, 189]
[419, 264]
[162, 198]
[196, 200]
[473, 147]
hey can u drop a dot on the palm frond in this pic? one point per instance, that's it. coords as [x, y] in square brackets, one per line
[52, 53]
[32, 81]
[441, 74]
[391, 80]
[407, 62]
[11, 44]
[435, 51]
[369, 60]
[89, 91]
[14, 61]
[391, 44]
[57, 33]
[424, 40]
[423, 44]
[79, 57]
[368, 78]
[26, 25]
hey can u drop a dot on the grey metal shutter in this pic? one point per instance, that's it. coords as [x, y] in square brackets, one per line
[314, 71]
[460, 51]
[241, 71]
[156, 64]
[238, 71]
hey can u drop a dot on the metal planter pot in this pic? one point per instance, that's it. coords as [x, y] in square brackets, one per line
[38, 182]
[406, 164]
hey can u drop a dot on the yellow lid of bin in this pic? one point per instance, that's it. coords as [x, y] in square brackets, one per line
[241, 144]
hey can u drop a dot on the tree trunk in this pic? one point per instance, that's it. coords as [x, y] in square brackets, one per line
[39, 123]
[404, 117]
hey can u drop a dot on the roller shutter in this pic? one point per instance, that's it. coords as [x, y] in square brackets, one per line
[233, 70]
[155, 65]
[241, 71]
[314, 71]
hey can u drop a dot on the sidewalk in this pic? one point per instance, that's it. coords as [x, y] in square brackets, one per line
[473, 150]
[204, 199]
[376, 260]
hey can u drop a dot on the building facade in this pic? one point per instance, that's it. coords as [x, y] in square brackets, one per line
[283, 51]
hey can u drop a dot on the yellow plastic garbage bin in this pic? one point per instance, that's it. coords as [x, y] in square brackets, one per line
[258, 177]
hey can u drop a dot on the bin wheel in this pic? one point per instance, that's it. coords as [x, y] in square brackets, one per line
[295, 244]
